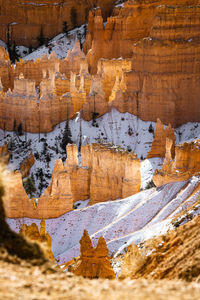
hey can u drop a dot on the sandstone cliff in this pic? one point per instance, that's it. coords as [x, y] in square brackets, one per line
[98, 177]
[185, 164]
[26, 21]
[159, 79]
[93, 263]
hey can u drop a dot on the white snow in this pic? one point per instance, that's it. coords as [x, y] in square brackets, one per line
[121, 222]
[125, 130]
[61, 44]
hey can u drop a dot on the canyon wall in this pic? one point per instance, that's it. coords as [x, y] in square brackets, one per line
[159, 78]
[26, 20]
[98, 177]
[185, 164]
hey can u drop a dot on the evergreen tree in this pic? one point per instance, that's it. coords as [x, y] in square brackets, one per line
[65, 28]
[41, 38]
[73, 16]
[14, 126]
[30, 49]
[20, 130]
[80, 134]
[29, 186]
[67, 135]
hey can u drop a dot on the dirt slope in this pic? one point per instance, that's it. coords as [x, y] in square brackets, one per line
[176, 256]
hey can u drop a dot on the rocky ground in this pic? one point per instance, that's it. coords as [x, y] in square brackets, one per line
[20, 280]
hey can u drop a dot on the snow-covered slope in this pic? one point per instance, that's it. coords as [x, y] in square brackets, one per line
[125, 130]
[61, 44]
[121, 222]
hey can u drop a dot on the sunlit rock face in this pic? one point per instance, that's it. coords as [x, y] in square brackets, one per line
[185, 164]
[32, 232]
[163, 47]
[93, 262]
[4, 154]
[27, 20]
[158, 148]
[106, 173]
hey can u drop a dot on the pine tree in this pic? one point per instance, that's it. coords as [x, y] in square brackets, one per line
[41, 38]
[65, 28]
[29, 186]
[20, 129]
[67, 135]
[73, 16]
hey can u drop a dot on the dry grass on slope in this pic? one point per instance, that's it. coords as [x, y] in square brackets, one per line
[175, 255]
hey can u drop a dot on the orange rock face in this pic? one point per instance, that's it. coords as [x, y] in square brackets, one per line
[158, 148]
[185, 164]
[158, 76]
[93, 263]
[98, 177]
[27, 164]
[32, 232]
[25, 20]
[4, 154]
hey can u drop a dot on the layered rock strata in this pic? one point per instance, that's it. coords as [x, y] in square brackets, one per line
[93, 262]
[159, 79]
[24, 21]
[185, 164]
[106, 173]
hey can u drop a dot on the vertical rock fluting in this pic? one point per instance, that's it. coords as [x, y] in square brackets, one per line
[27, 21]
[98, 178]
[93, 262]
[165, 65]
[185, 164]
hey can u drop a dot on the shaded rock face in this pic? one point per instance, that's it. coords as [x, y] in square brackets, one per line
[13, 243]
[26, 21]
[4, 154]
[185, 164]
[27, 164]
[93, 263]
[33, 233]
[158, 148]
[98, 177]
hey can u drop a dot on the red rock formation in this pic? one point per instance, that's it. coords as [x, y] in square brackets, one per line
[4, 154]
[26, 20]
[99, 178]
[93, 263]
[159, 79]
[27, 164]
[32, 232]
[158, 147]
[185, 164]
